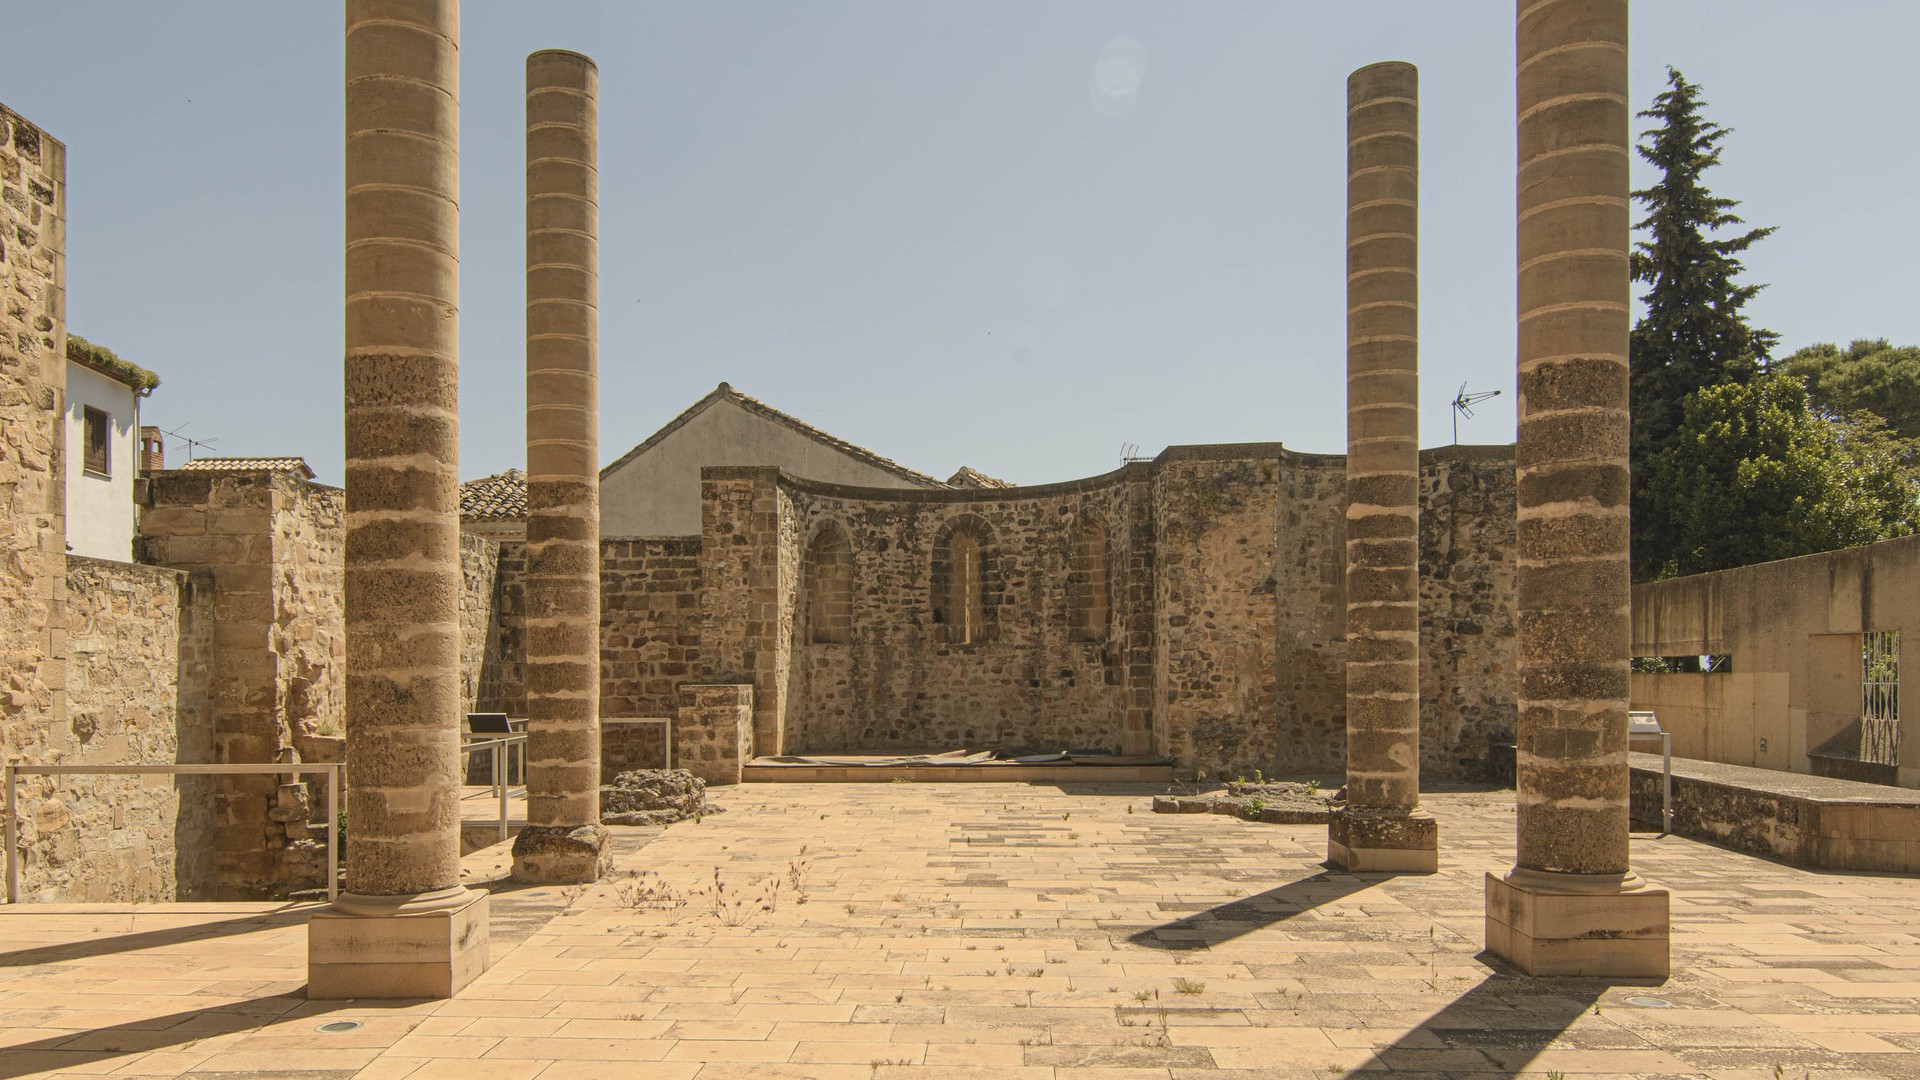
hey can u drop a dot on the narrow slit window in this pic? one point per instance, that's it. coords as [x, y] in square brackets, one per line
[830, 588]
[97, 440]
[1087, 590]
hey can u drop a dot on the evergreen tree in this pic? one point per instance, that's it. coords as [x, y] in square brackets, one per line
[1694, 333]
[1872, 376]
[1753, 474]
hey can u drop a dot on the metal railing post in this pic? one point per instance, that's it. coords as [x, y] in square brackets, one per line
[13, 844]
[500, 775]
[335, 777]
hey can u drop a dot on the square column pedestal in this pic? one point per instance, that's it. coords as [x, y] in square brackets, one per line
[423, 946]
[1578, 924]
[1360, 842]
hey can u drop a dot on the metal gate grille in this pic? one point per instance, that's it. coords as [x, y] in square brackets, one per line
[1880, 697]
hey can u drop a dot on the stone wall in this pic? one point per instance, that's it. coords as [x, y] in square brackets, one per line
[909, 677]
[136, 694]
[1467, 604]
[1217, 635]
[1250, 609]
[1222, 621]
[479, 597]
[713, 734]
[33, 346]
[270, 545]
[501, 683]
[650, 642]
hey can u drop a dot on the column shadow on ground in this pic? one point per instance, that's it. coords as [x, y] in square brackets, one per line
[291, 915]
[1237, 918]
[79, 1049]
[1508, 1020]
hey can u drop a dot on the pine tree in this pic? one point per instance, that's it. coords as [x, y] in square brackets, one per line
[1694, 333]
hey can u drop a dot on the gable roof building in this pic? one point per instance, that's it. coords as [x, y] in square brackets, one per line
[654, 488]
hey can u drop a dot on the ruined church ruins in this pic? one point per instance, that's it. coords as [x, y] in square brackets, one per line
[1391, 613]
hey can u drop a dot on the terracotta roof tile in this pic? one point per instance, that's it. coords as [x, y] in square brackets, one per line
[500, 497]
[970, 477]
[249, 464]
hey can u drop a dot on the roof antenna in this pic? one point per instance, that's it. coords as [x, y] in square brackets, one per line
[191, 444]
[1463, 404]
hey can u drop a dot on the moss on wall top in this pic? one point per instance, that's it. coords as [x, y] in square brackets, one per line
[103, 360]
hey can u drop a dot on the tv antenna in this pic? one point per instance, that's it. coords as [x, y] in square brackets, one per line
[1463, 404]
[1130, 452]
[190, 444]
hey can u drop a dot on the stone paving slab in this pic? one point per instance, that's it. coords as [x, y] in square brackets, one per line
[929, 931]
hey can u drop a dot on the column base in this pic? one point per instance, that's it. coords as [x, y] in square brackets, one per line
[1373, 842]
[1578, 924]
[427, 945]
[561, 854]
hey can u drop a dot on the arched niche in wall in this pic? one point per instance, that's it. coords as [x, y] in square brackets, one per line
[1089, 596]
[829, 578]
[965, 583]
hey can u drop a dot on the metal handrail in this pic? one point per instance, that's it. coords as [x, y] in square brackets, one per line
[497, 746]
[334, 771]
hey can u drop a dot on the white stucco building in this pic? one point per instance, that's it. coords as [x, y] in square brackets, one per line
[654, 488]
[103, 422]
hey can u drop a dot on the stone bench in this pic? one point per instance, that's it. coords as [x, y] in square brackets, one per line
[1816, 821]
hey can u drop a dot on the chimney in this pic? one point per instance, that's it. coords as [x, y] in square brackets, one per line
[150, 450]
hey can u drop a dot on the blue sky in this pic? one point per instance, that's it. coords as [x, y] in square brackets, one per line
[948, 232]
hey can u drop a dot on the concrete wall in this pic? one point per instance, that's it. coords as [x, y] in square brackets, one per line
[33, 376]
[658, 492]
[100, 507]
[1792, 629]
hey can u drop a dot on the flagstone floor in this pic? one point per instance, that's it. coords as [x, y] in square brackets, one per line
[930, 931]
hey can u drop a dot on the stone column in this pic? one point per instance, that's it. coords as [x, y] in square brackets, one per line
[404, 927]
[564, 841]
[1382, 827]
[1572, 906]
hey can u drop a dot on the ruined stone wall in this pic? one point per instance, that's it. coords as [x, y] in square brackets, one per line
[33, 367]
[309, 559]
[270, 545]
[479, 592]
[501, 684]
[136, 694]
[740, 590]
[1467, 642]
[904, 680]
[1245, 534]
[649, 644]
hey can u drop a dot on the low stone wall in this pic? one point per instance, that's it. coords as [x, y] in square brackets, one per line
[1805, 820]
[713, 733]
[138, 640]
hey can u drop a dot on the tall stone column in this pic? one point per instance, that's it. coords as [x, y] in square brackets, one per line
[1572, 906]
[404, 927]
[563, 841]
[1382, 827]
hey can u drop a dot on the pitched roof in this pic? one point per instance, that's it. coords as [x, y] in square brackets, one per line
[970, 477]
[724, 392]
[101, 359]
[500, 497]
[249, 464]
